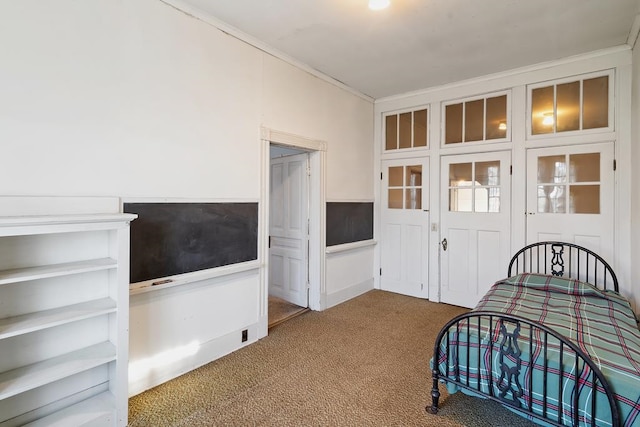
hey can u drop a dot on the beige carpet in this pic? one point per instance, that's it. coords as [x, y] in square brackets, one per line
[362, 363]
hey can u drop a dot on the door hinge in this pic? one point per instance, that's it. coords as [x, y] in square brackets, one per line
[269, 243]
[511, 170]
[615, 164]
[380, 176]
[381, 272]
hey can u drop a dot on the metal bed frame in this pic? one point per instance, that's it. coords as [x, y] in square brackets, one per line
[512, 336]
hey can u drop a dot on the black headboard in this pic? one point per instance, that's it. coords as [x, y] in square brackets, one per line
[564, 260]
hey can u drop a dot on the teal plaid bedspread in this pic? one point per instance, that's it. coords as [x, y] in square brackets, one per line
[601, 323]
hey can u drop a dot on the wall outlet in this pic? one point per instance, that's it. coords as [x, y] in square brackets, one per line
[245, 335]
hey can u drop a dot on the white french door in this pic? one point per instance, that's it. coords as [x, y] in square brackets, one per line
[570, 195]
[404, 224]
[475, 224]
[288, 229]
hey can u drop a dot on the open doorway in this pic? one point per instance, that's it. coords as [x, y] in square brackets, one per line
[288, 248]
[315, 151]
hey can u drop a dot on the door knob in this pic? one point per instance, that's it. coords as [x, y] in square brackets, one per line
[444, 244]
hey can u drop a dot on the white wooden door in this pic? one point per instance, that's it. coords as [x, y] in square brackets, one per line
[475, 224]
[288, 229]
[570, 195]
[404, 223]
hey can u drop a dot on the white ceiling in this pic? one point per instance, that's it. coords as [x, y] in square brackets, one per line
[417, 44]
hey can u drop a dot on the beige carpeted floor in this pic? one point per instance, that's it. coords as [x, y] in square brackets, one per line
[362, 363]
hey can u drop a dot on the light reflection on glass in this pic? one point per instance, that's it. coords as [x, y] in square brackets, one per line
[551, 199]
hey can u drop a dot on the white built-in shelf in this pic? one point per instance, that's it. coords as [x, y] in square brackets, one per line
[98, 409]
[76, 381]
[70, 220]
[26, 323]
[55, 270]
[32, 376]
[47, 224]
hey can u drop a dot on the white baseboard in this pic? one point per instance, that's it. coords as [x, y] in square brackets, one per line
[346, 294]
[206, 353]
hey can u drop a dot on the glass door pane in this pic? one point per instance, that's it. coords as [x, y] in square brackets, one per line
[420, 128]
[496, 117]
[395, 189]
[595, 103]
[453, 119]
[391, 134]
[552, 178]
[474, 120]
[405, 131]
[568, 107]
[542, 118]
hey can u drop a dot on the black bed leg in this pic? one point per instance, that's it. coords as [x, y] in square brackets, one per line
[435, 394]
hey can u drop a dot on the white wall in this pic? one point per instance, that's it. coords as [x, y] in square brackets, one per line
[635, 171]
[136, 99]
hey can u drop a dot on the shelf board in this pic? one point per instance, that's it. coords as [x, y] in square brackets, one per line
[55, 270]
[32, 220]
[32, 376]
[26, 323]
[94, 409]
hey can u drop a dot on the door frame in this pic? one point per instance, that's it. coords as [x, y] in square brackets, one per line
[317, 198]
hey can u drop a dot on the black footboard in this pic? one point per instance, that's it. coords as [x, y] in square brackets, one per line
[523, 365]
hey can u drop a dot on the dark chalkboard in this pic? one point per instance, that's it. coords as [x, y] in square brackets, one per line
[175, 238]
[349, 222]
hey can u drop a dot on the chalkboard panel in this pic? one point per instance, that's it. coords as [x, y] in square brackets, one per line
[349, 222]
[175, 238]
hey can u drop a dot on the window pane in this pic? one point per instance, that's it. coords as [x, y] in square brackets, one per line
[494, 199]
[405, 130]
[395, 176]
[595, 108]
[584, 199]
[488, 173]
[413, 198]
[460, 199]
[584, 167]
[551, 199]
[541, 109]
[568, 107]
[552, 169]
[395, 198]
[453, 125]
[391, 133]
[497, 116]
[414, 176]
[420, 128]
[474, 120]
[460, 174]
